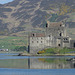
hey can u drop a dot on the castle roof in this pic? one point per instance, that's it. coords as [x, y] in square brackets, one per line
[37, 35]
[53, 24]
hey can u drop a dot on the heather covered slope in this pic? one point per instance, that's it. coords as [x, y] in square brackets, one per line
[21, 16]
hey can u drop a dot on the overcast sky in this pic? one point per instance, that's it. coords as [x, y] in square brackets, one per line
[5, 1]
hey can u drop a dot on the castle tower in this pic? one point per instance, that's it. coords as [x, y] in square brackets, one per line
[57, 31]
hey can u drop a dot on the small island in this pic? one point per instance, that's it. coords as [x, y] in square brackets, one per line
[52, 52]
[54, 41]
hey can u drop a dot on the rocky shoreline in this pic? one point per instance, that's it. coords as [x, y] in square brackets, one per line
[27, 54]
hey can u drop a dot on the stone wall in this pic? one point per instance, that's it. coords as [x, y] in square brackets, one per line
[56, 29]
[54, 36]
[39, 43]
[72, 44]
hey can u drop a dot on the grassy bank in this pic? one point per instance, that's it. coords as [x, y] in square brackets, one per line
[61, 51]
[52, 52]
[11, 42]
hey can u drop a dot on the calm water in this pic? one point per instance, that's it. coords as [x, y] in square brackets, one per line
[25, 65]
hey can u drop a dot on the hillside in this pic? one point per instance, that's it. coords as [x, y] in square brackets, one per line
[21, 16]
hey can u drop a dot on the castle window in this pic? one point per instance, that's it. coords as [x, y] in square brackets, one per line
[46, 25]
[59, 45]
[65, 39]
[37, 41]
[60, 25]
[74, 45]
[41, 41]
[60, 34]
[41, 38]
[32, 41]
[33, 35]
[49, 36]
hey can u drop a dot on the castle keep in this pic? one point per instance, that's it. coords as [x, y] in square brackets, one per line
[54, 36]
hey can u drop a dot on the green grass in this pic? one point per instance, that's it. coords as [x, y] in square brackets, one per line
[57, 51]
[10, 42]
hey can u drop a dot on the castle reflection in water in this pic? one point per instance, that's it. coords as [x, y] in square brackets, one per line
[38, 63]
[50, 63]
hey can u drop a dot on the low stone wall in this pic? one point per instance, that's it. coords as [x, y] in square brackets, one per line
[34, 50]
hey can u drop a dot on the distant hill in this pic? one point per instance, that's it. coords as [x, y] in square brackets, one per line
[25, 15]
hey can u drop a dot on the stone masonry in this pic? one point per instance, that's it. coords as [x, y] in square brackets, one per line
[54, 36]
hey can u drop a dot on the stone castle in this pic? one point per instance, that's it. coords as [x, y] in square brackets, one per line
[54, 36]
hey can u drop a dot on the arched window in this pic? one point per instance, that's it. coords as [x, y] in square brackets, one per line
[49, 36]
[41, 41]
[32, 41]
[60, 34]
[41, 38]
[74, 45]
[37, 42]
[46, 25]
[33, 34]
[60, 25]
[59, 45]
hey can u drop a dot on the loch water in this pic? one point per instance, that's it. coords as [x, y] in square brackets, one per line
[10, 64]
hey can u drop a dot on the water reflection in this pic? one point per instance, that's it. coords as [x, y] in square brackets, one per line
[22, 62]
[51, 63]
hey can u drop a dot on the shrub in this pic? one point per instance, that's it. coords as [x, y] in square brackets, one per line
[40, 52]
